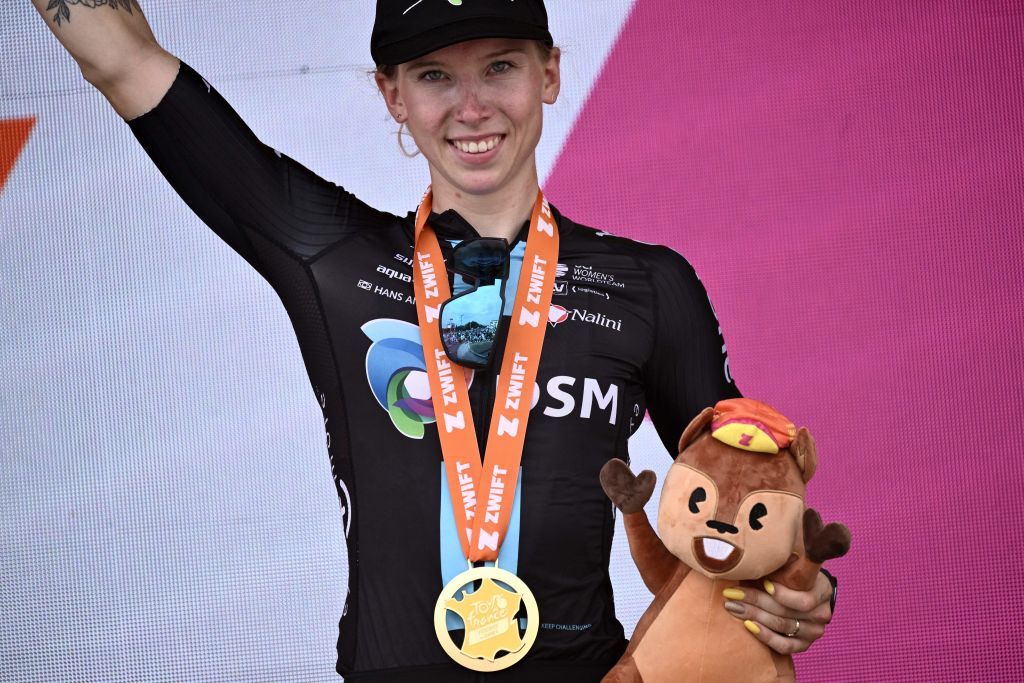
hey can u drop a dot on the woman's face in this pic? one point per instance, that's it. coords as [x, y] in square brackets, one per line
[475, 109]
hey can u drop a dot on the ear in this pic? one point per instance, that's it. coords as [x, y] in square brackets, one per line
[805, 453]
[552, 77]
[694, 429]
[392, 97]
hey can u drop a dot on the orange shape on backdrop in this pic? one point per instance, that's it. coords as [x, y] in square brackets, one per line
[13, 136]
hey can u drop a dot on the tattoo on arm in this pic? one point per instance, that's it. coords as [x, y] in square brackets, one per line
[64, 13]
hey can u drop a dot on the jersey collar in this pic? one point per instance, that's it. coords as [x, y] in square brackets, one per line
[450, 225]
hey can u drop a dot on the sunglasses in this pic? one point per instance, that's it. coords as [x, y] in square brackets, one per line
[469, 321]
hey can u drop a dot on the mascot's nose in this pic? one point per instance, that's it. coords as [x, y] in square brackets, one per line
[722, 527]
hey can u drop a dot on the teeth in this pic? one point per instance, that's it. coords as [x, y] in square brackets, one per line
[477, 147]
[718, 550]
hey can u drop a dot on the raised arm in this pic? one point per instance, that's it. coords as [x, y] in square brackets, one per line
[276, 213]
[115, 50]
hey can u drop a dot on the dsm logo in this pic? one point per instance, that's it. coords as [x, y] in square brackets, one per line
[397, 374]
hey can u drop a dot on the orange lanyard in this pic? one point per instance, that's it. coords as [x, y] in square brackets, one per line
[482, 494]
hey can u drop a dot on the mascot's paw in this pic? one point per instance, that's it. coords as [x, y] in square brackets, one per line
[627, 492]
[823, 542]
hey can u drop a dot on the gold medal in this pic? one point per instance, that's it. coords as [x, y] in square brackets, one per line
[492, 640]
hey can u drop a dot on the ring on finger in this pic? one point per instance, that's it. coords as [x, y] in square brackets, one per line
[796, 630]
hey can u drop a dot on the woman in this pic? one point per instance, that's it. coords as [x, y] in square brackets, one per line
[408, 366]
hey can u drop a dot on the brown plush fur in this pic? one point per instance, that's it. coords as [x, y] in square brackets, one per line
[686, 634]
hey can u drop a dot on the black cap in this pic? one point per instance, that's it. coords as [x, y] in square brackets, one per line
[407, 29]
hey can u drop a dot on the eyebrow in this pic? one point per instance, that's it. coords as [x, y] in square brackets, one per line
[422, 63]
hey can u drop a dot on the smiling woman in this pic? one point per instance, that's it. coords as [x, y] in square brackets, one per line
[483, 447]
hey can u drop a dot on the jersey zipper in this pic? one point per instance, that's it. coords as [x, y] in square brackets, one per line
[485, 404]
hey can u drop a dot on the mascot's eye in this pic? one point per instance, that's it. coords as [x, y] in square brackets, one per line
[696, 498]
[756, 513]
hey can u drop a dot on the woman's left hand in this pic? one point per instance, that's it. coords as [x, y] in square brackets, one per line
[769, 617]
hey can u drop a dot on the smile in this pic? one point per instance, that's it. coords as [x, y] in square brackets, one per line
[716, 555]
[477, 146]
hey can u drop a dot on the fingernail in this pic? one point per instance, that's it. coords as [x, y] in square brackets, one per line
[734, 594]
[734, 607]
[752, 627]
[769, 586]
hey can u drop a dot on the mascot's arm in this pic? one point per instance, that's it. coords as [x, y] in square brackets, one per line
[652, 558]
[820, 543]
[629, 493]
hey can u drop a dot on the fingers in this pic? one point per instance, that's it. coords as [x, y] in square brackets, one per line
[770, 616]
[777, 642]
[812, 604]
[809, 630]
[749, 597]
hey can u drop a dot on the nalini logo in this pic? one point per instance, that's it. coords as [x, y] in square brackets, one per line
[397, 374]
[559, 314]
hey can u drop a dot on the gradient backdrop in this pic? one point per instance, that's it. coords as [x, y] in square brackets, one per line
[846, 177]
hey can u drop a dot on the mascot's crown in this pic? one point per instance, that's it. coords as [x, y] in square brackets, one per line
[751, 425]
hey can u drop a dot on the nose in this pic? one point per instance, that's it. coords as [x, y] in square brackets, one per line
[471, 108]
[722, 527]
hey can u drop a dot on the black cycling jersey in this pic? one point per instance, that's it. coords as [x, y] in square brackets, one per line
[630, 330]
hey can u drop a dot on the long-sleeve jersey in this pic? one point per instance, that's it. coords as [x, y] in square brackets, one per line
[631, 330]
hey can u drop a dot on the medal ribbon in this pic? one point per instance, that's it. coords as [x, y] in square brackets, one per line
[482, 493]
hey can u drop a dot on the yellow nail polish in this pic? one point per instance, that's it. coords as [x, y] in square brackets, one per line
[769, 586]
[734, 594]
[752, 627]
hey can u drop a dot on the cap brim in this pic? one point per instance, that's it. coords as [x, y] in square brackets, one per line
[457, 32]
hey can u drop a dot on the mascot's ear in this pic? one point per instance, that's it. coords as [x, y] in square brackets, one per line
[694, 429]
[805, 453]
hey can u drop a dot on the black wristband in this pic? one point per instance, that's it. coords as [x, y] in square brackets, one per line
[835, 582]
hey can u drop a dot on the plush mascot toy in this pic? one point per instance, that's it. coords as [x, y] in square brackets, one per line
[732, 509]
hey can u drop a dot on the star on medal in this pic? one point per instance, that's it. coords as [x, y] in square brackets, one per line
[489, 614]
[491, 618]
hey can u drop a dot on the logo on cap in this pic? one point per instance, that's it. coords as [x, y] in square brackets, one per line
[751, 425]
[457, 3]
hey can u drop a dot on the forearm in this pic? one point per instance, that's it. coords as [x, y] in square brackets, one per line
[105, 37]
[654, 561]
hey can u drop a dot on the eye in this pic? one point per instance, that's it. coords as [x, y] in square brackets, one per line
[696, 498]
[431, 76]
[756, 513]
[502, 67]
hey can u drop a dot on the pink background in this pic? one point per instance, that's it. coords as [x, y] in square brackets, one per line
[846, 177]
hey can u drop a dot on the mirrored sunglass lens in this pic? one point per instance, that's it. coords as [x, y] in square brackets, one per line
[482, 259]
[469, 325]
